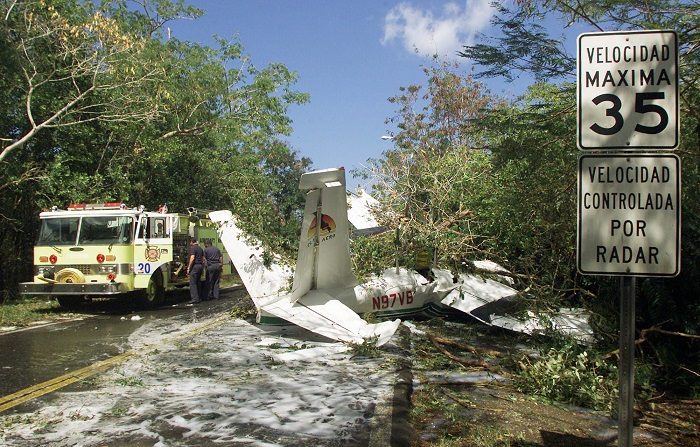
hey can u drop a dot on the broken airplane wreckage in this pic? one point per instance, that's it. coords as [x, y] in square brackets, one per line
[325, 296]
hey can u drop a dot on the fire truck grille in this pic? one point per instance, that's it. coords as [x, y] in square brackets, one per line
[84, 268]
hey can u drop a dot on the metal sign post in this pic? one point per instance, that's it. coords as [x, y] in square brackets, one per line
[626, 362]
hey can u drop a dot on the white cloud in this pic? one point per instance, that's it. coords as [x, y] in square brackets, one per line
[444, 34]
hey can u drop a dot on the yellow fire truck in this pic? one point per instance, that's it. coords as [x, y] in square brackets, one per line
[108, 249]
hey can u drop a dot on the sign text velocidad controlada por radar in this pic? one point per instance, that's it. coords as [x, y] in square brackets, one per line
[639, 177]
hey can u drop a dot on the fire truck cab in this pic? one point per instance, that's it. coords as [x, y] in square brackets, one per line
[108, 249]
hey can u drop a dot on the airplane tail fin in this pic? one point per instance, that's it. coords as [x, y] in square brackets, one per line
[323, 260]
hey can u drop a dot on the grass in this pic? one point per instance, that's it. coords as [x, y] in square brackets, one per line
[129, 381]
[25, 311]
[459, 415]
[449, 423]
[368, 348]
[451, 418]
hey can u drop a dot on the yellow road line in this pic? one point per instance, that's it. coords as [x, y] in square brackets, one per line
[49, 386]
[40, 389]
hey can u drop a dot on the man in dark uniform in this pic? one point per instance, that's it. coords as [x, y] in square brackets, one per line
[215, 263]
[195, 266]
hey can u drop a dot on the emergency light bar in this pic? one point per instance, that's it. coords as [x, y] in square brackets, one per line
[97, 206]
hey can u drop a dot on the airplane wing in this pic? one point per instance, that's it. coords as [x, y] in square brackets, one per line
[478, 297]
[574, 323]
[264, 281]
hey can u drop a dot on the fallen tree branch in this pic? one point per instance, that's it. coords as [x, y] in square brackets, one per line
[453, 383]
[465, 404]
[677, 334]
[689, 370]
[461, 360]
[465, 347]
[480, 271]
[643, 337]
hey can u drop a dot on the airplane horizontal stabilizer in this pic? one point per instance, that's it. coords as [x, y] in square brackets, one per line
[330, 318]
[361, 209]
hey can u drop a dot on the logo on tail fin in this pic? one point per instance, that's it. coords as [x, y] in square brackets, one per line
[326, 232]
[327, 226]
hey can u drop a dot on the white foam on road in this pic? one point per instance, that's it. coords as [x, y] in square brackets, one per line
[236, 383]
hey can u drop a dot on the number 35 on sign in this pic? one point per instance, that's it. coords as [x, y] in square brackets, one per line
[628, 90]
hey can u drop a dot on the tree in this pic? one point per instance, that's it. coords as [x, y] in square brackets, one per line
[87, 63]
[221, 133]
[434, 180]
[474, 176]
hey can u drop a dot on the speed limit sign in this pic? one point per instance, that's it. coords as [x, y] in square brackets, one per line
[627, 90]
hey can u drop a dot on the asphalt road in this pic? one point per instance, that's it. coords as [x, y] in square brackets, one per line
[32, 356]
[191, 375]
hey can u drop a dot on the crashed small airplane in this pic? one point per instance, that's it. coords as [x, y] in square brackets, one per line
[322, 293]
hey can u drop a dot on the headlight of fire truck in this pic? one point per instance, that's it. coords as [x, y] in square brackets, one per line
[45, 270]
[106, 268]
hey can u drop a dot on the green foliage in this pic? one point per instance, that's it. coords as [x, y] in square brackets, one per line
[127, 380]
[530, 213]
[472, 192]
[25, 311]
[370, 317]
[368, 348]
[570, 374]
[373, 254]
[524, 45]
[244, 309]
[437, 178]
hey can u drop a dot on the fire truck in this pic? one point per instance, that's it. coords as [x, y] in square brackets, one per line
[108, 250]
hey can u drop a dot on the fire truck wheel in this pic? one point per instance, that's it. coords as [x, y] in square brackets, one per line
[70, 301]
[155, 293]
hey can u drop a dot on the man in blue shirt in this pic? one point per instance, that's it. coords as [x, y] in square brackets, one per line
[215, 263]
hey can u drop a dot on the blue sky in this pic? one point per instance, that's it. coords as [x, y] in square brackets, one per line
[350, 57]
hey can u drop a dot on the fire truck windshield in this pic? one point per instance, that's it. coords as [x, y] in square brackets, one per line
[87, 230]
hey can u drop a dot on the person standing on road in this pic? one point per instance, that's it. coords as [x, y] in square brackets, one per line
[195, 266]
[215, 264]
